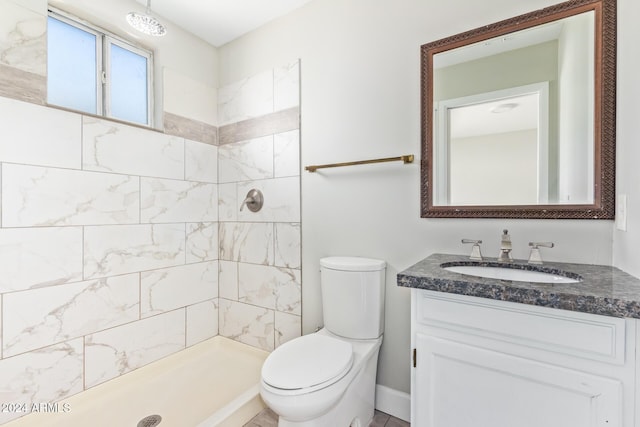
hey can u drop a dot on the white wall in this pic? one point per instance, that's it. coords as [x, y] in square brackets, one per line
[575, 100]
[626, 243]
[360, 89]
[512, 177]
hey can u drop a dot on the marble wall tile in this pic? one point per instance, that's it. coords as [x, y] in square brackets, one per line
[202, 321]
[278, 122]
[37, 196]
[286, 86]
[202, 241]
[286, 154]
[287, 327]
[201, 162]
[41, 317]
[119, 249]
[38, 257]
[23, 38]
[270, 287]
[228, 280]
[287, 245]
[165, 200]
[228, 203]
[116, 351]
[281, 200]
[148, 153]
[189, 128]
[170, 288]
[246, 242]
[38, 6]
[247, 323]
[42, 376]
[250, 97]
[246, 160]
[55, 141]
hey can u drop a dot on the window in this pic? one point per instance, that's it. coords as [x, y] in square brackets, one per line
[94, 72]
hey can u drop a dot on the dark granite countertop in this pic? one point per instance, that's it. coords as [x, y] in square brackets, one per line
[603, 290]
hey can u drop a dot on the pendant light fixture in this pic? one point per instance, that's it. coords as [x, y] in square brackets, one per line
[146, 23]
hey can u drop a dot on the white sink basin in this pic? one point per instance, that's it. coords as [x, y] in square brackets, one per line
[505, 273]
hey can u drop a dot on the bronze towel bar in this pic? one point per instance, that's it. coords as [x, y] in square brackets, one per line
[406, 159]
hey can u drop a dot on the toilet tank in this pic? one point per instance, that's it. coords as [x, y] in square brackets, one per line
[353, 296]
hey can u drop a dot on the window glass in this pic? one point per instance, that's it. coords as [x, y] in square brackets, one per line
[71, 67]
[95, 72]
[128, 85]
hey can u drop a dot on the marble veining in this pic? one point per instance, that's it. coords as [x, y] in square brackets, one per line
[247, 242]
[170, 288]
[118, 249]
[287, 327]
[23, 39]
[39, 257]
[38, 196]
[165, 200]
[247, 323]
[287, 245]
[604, 290]
[201, 162]
[202, 241]
[55, 314]
[270, 287]
[246, 160]
[116, 351]
[42, 376]
[149, 153]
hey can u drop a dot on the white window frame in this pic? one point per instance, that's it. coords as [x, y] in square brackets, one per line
[104, 39]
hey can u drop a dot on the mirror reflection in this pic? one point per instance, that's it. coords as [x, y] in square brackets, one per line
[513, 118]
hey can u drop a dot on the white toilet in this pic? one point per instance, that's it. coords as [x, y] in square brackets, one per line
[328, 378]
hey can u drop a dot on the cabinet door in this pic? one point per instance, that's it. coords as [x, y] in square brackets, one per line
[458, 385]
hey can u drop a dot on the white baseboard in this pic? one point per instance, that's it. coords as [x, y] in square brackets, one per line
[393, 402]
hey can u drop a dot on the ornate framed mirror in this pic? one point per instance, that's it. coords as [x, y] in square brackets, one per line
[519, 117]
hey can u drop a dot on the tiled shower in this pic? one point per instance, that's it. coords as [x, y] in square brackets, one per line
[120, 245]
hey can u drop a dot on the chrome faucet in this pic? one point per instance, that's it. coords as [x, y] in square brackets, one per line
[534, 256]
[475, 249]
[505, 247]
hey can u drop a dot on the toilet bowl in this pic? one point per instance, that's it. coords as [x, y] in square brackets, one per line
[330, 381]
[328, 378]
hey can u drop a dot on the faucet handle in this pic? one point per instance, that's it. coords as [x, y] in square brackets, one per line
[534, 256]
[475, 249]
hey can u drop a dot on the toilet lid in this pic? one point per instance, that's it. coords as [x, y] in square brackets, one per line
[307, 361]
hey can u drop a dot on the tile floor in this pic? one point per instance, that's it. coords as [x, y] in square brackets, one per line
[267, 418]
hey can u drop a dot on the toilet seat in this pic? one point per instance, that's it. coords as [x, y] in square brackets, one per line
[307, 363]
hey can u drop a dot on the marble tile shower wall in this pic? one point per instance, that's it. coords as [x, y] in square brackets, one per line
[23, 49]
[260, 259]
[108, 249]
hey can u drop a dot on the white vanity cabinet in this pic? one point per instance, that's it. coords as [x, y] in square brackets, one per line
[478, 362]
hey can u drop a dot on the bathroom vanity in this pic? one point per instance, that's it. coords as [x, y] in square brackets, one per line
[504, 353]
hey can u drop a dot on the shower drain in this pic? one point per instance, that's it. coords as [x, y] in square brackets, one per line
[150, 421]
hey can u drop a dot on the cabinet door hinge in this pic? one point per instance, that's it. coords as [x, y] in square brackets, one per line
[414, 357]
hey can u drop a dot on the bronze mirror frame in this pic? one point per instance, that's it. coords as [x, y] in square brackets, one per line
[604, 115]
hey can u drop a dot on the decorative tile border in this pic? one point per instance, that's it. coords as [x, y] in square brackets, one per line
[23, 85]
[190, 129]
[278, 122]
